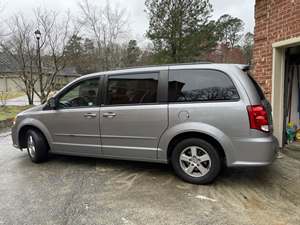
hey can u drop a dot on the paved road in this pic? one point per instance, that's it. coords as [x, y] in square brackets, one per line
[22, 100]
[70, 190]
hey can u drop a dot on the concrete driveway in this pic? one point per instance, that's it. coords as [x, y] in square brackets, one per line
[71, 190]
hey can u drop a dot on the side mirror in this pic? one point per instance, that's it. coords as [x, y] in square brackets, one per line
[52, 103]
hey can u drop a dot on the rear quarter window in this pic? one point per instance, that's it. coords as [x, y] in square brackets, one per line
[200, 86]
[257, 88]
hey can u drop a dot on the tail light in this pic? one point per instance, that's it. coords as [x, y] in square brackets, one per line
[258, 118]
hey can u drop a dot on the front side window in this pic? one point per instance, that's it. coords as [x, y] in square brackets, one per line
[132, 89]
[83, 94]
[200, 85]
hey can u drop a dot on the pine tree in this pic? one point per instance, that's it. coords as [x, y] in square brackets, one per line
[180, 29]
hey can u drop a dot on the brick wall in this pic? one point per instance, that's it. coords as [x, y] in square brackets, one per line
[275, 20]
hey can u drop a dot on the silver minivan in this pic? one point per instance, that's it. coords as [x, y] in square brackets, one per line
[196, 117]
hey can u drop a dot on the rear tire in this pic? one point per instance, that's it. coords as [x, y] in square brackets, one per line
[37, 146]
[196, 161]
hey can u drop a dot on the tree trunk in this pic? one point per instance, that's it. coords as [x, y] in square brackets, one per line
[30, 100]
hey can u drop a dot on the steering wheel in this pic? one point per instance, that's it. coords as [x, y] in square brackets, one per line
[78, 101]
[64, 104]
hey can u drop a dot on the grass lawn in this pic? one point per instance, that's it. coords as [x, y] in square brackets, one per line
[7, 112]
[13, 94]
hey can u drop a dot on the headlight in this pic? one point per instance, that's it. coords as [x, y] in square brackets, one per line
[14, 120]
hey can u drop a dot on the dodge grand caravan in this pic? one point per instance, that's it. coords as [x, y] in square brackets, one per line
[195, 117]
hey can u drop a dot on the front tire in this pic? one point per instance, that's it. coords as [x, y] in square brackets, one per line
[196, 161]
[37, 146]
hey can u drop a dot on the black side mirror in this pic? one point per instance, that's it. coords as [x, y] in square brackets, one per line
[52, 103]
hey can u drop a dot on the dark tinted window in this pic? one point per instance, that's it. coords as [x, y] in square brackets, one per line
[200, 85]
[132, 89]
[83, 94]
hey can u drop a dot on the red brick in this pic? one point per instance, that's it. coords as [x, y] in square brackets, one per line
[275, 20]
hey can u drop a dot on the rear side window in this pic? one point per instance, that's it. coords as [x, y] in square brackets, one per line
[132, 89]
[200, 85]
[257, 87]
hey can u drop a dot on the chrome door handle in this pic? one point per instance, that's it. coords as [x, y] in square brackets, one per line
[109, 115]
[90, 115]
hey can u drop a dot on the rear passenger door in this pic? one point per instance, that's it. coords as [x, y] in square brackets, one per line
[133, 116]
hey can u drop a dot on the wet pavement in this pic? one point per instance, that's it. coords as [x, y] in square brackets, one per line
[72, 190]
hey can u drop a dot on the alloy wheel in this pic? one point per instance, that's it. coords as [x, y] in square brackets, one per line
[31, 146]
[195, 161]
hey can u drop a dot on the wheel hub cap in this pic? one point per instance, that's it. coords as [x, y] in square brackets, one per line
[195, 161]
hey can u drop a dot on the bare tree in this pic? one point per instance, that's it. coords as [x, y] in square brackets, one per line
[20, 45]
[54, 40]
[247, 46]
[230, 30]
[108, 25]
[2, 7]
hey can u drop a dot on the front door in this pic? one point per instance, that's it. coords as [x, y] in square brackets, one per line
[131, 120]
[74, 125]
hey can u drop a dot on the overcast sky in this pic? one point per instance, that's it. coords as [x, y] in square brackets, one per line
[138, 19]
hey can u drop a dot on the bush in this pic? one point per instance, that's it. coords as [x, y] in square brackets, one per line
[3, 97]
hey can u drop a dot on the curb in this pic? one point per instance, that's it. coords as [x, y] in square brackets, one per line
[5, 134]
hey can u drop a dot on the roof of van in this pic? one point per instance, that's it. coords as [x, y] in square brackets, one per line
[201, 65]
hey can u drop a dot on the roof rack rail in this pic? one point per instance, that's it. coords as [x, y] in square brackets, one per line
[158, 65]
[246, 68]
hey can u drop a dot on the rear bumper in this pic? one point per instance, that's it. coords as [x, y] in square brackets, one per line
[254, 152]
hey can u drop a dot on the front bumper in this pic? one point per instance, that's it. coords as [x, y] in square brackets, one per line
[14, 136]
[255, 151]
